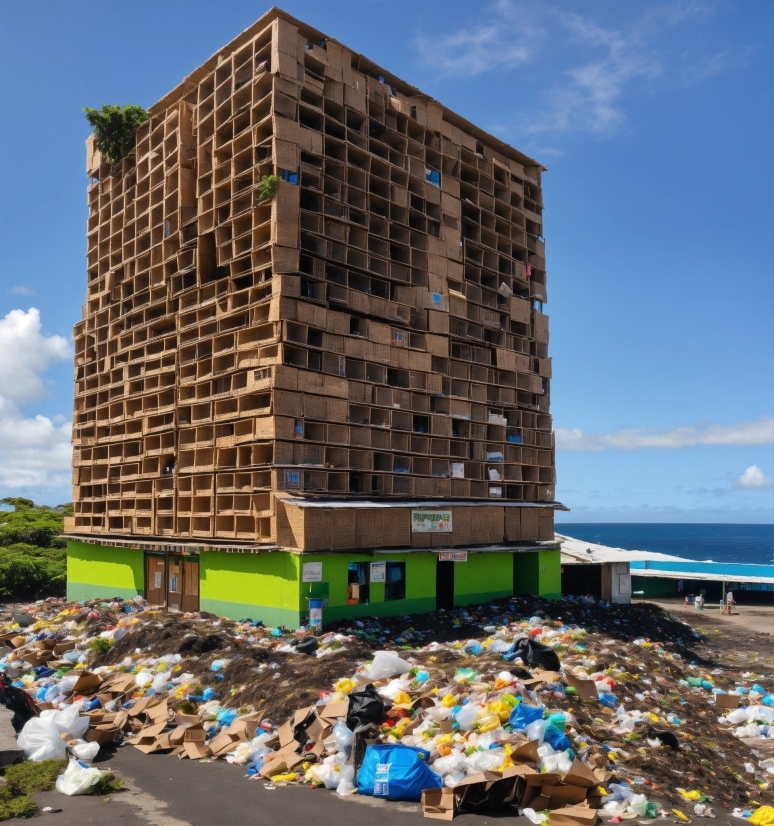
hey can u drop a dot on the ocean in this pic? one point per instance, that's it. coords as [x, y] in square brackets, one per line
[751, 544]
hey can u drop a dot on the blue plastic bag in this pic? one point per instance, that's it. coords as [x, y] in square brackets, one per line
[396, 771]
[558, 740]
[523, 715]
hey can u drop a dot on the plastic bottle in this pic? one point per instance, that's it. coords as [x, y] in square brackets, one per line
[343, 736]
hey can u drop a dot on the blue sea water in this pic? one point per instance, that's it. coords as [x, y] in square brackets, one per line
[750, 544]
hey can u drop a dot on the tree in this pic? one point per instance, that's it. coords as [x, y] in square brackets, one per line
[114, 127]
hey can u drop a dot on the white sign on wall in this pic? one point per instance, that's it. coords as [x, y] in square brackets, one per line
[431, 521]
[378, 571]
[312, 572]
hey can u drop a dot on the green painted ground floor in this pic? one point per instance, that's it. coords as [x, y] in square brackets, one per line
[274, 586]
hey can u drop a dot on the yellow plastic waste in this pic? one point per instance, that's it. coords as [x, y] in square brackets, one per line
[402, 699]
[679, 815]
[763, 816]
[501, 709]
[345, 686]
[284, 778]
[694, 795]
[449, 701]
[488, 723]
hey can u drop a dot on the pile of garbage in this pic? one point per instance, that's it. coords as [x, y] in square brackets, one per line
[569, 707]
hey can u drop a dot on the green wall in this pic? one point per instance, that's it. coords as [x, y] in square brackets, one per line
[94, 572]
[262, 586]
[484, 577]
[538, 572]
[655, 586]
[420, 586]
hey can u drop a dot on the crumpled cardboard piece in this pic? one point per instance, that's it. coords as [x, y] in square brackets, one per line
[587, 689]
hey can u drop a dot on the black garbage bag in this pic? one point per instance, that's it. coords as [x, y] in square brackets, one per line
[534, 653]
[308, 645]
[666, 737]
[366, 706]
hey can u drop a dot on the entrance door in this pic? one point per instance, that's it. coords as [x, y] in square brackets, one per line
[190, 584]
[175, 586]
[155, 576]
[444, 584]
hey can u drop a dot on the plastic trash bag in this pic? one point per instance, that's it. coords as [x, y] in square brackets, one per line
[41, 740]
[67, 721]
[386, 664]
[534, 653]
[85, 752]
[365, 707]
[396, 771]
[523, 715]
[346, 781]
[78, 778]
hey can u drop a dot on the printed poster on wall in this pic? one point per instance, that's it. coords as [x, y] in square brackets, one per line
[431, 521]
[453, 556]
[378, 572]
[312, 572]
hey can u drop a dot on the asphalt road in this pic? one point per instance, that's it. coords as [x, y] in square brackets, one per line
[165, 791]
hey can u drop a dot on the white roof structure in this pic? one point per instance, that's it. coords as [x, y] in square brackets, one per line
[579, 552]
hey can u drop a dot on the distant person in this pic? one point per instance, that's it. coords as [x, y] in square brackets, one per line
[729, 601]
[699, 602]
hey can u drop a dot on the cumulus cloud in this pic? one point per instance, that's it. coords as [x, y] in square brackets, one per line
[588, 70]
[34, 450]
[743, 434]
[753, 479]
[20, 289]
[26, 353]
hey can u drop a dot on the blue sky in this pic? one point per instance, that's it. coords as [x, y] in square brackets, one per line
[655, 120]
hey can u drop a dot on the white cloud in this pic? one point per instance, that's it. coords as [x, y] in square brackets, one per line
[472, 51]
[34, 452]
[26, 353]
[743, 434]
[20, 289]
[753, 479]
[586, 70]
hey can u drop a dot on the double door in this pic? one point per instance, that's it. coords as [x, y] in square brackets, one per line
[172, 580]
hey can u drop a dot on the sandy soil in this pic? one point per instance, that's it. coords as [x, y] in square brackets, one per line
[750, 617]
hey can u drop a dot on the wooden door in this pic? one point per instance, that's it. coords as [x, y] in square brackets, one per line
[155, 576]
[190, 585]
[175, 584]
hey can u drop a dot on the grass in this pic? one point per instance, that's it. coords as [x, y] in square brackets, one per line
[22, 781]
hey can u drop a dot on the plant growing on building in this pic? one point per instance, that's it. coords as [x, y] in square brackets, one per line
[114, 128]
[268, 187]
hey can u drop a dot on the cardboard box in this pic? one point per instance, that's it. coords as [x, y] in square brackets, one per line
[727, 700]
[572, 816]
[439, 804]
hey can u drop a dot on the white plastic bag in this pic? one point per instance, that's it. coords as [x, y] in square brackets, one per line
[85, 752]
[41, 741]
[67, 721]
[78, 778]
[386, 664]
[346, 781]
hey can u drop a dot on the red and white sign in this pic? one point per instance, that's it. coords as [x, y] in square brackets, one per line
[453, 556]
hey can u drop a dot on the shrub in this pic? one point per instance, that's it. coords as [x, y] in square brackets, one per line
[268, 187]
